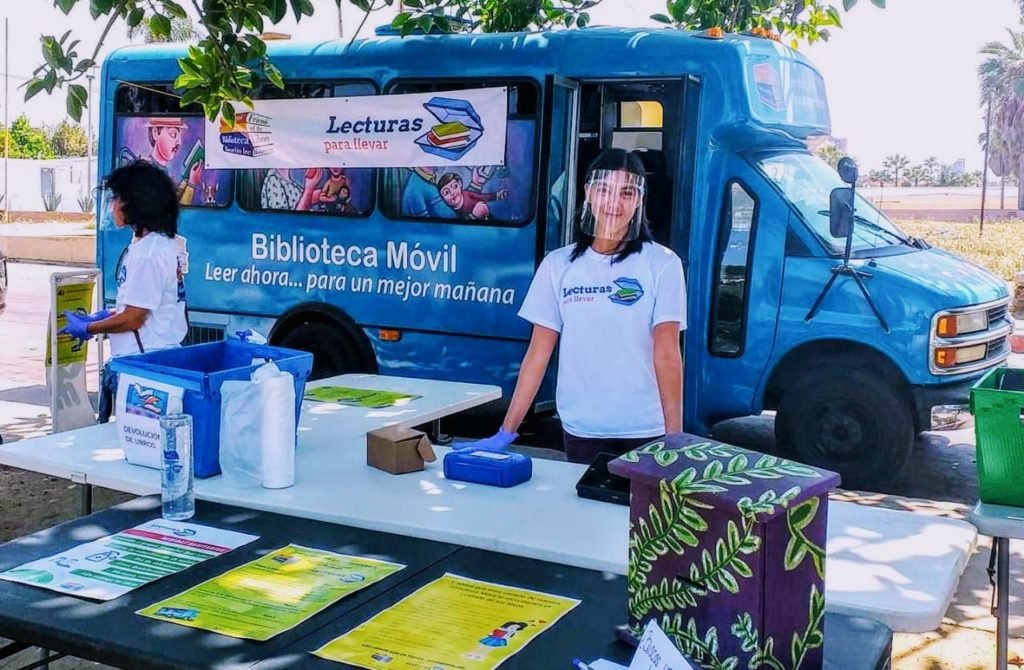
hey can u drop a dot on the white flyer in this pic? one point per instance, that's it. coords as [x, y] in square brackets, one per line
[114, 565]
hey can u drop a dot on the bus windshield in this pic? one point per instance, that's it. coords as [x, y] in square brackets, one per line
[807, 181]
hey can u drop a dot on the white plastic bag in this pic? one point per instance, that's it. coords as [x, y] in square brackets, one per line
[241, 453]
[257, 430]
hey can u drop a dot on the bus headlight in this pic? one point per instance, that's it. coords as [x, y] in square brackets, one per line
[947, 357]
[952, 325]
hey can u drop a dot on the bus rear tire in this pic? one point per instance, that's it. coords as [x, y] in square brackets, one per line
[334, 351]
[851, 421]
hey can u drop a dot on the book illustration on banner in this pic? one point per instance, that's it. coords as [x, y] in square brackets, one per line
[458, 130]
[250, 136]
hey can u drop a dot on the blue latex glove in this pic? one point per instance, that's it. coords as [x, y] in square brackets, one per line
[77, 326]
[500, 441]
[96, 316]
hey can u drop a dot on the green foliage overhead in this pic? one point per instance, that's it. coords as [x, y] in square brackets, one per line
[794, 20]
[227, 58]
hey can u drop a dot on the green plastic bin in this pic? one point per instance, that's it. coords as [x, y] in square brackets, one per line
[997, 403]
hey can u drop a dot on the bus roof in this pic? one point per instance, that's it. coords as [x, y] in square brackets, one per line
[739, 70]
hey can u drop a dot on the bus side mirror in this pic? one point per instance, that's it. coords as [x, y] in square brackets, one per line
[840, 212]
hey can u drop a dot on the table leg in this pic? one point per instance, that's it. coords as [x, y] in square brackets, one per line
[85, 499]
[439, 437]
[1002, 600]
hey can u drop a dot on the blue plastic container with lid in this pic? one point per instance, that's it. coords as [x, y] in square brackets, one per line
[494, 468]
[200, 370]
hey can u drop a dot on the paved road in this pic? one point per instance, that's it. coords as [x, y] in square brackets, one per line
[943, 470]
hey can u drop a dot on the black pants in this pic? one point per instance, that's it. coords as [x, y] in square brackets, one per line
[108, 394]
[585, 449]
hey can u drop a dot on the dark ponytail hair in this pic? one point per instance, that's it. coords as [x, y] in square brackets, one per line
[149, 199]
[613, 159]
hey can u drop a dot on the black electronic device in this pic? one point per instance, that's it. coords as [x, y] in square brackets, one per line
[599, 484]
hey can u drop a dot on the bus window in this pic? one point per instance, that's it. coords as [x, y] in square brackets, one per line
[335, 191]
[152, 126]
[639, 126]
[491, 193]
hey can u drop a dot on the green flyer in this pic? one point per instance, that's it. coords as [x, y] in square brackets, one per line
[272, 594]
[359, 397]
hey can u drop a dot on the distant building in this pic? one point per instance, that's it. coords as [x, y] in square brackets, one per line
[958, 167]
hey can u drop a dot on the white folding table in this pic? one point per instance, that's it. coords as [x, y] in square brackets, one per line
[895, 567]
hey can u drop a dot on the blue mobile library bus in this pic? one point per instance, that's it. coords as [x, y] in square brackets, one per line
[391, 271]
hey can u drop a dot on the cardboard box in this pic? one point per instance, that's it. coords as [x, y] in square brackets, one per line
[398, 450]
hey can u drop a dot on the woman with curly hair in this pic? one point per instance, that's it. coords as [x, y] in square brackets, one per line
[149, 311]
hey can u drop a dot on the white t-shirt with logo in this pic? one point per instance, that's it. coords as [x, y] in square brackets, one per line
[149, 278]
[605, 313]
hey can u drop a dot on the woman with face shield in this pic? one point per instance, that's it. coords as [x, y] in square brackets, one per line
[149, 313]
[614, 302]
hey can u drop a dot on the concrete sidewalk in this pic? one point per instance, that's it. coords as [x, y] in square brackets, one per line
[70, 243]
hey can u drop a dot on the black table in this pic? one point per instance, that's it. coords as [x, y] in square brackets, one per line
[111, 632]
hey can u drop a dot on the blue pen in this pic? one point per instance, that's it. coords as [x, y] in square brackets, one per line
[580, 665]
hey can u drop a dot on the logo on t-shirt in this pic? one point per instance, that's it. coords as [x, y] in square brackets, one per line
[629, 291]
[122, 274]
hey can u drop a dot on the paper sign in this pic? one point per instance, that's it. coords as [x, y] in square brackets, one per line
[452, 623]
[140, 404]
[358, 397]
[272, 594]
[116, 564]
[656, 651]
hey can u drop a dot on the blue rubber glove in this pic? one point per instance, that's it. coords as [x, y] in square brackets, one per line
[500, 441]
[96, 316]
[77, 326]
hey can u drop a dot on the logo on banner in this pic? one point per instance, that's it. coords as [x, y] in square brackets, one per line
[458, 129]
[629, 291]
[145, 401]
[251, 135]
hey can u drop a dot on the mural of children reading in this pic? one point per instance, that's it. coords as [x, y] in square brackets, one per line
[468, 202]
[420, 197]
[336, 181]
[498, 639]
[279, 191]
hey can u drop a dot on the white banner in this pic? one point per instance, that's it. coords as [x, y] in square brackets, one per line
[409, 130]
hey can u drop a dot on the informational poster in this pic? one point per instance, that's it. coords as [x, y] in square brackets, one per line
[71, 407]
[272, 594]
[464, 127]
[454, 623]
[112, 566]
[359, 397]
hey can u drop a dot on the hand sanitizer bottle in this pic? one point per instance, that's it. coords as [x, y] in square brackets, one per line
[178, 497]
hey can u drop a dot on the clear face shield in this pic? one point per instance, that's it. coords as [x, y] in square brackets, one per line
[613, 207]
[106, 207]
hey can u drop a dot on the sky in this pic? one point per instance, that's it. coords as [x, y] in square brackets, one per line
[899, 80]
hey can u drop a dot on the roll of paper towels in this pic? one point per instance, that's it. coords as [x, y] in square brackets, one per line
[278, 434]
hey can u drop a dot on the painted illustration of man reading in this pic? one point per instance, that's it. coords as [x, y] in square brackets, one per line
[165, 134]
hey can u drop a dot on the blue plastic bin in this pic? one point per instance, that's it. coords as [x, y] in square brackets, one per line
[200, 370]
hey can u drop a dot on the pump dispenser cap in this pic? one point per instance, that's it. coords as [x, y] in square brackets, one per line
[174, 405]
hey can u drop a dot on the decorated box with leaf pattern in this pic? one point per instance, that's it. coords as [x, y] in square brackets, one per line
[727, 552]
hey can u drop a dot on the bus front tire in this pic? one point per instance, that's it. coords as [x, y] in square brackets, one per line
[851, 422]
[334, 351]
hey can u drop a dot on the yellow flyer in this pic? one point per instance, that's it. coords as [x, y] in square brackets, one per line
[74, 298]
[452, 623]
[272, 594]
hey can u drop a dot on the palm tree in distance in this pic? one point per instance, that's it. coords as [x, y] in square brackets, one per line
[896, 162]
[1001, 82]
